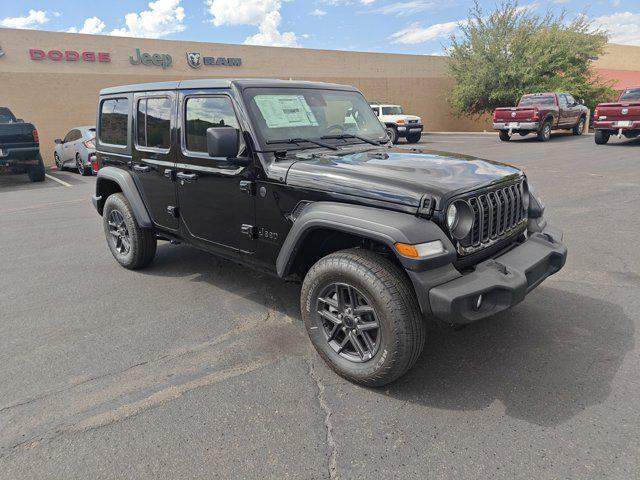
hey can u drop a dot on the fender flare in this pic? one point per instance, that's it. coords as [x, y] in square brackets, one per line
[129, 189]
[384, 226]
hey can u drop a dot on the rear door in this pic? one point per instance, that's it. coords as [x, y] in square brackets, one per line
[69, 145]
[153, 156]
[216, 207]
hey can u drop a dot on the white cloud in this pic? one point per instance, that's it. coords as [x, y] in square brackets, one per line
[416, 33]
[164, 17]
[318, 13]
[92, 26]
[623, 27]
[32, 20]
[367, 2]
[264, 14]
[405, 8]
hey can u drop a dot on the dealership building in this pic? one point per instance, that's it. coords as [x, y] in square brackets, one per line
[53, 79]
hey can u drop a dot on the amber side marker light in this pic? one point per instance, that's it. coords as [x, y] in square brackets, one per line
[420, 250]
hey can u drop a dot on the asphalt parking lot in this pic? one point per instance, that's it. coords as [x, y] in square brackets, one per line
[199, 368]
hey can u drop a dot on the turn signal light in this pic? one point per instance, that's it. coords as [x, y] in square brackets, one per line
[36, 138]
[420, 250]
[596, 114]
[400, 121]
[536, 114]
[407, 250]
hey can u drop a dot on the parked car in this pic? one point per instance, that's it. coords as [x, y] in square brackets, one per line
[19, 147]
[77, 150]
[397, 123]
[540, 113]
[621, 118]
[298, 179]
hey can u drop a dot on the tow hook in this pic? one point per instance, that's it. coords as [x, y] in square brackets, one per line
[620, 133]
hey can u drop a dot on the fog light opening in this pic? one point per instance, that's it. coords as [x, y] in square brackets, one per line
[477, 305]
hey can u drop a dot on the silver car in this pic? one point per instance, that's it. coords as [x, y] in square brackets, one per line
[77, 150]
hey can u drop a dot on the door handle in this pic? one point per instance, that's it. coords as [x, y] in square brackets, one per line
[187, 177]
[142, 168]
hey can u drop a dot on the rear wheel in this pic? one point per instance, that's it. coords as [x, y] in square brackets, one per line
[362, 316]
[544, 134]
[602, 137]
[82, 169]
[414, 137]
[392, 133]
[504, 135]
[579, 128]
[36, 173]
[132, 246]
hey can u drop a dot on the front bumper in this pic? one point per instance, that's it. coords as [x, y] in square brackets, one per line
[408, 128]
[516, 126]
[502, 281]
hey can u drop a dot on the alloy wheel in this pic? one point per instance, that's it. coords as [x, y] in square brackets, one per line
[349, 322]
[119, 232]
[80, 165]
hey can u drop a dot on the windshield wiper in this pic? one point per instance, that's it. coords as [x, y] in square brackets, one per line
[297, 141]
[344, 136]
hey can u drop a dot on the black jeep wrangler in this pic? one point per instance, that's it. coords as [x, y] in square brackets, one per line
[299, 180]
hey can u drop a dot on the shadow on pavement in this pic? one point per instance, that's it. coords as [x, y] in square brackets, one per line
[546, 360]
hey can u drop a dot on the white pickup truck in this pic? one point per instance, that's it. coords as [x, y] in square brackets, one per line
[397, 123]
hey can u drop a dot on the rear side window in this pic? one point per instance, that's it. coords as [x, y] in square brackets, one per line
[153, 121]
[203, 113]
[630, 95]
[543, 100]
[114, 114]
[6, 116]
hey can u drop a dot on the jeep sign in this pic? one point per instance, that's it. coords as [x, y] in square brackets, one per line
[163, 60]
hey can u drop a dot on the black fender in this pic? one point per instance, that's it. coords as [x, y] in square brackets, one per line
[384, 226]
[127, 185]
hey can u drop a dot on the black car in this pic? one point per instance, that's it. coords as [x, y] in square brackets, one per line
[19, 147]
[299, 180]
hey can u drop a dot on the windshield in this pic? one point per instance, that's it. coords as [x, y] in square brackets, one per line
[6, 116]
[300, 113]
[631, 95]
[394, 110]
[537, 101]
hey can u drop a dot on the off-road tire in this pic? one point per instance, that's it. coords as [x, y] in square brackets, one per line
[414, 137]
[602, 137]
[36, 173]
[579, 127]
[142, 241]
[504, 135]
[393, 134]
[82, 169]
[390, 293]
[544, 134]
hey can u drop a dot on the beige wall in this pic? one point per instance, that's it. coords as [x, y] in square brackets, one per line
[57, 96]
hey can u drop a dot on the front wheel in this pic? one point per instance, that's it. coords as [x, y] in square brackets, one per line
[504, 135]
[37, 173]
[132, 246]
[602, 137]
[579, 128]
[392, 133]
[59, 164]
[362, 316]
[544, 134]
[414, 137]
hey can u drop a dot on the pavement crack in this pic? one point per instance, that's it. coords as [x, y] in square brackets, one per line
[324, 406]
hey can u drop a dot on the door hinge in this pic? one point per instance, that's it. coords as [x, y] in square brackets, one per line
[427, 205]
[247, 187]
[248, 230]
[173, 211]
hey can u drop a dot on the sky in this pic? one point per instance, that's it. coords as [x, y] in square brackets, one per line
[396, 26]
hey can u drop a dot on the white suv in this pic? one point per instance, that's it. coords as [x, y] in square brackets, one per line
[397, 123]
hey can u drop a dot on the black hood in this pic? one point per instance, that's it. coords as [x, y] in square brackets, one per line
[398, 175]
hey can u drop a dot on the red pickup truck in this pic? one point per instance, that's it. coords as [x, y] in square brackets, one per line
[540, 113]
[621, 118]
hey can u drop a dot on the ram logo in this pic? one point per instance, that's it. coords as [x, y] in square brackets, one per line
[193, 59]
[513, 114]
[625, 111]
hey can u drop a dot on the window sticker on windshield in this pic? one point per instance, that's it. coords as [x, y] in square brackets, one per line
[282, 111]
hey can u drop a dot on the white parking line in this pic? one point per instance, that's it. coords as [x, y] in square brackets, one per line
[61, 182]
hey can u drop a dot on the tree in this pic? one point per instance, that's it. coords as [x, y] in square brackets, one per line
[498, 58]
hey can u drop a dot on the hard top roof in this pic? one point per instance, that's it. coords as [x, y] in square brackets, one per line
[240, 83]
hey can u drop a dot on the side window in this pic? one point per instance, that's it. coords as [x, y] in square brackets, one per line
[68, 137]
[570, 100]
[202, 113]
[114, 114]
[153, 120]
[75, 135]
[563, 100]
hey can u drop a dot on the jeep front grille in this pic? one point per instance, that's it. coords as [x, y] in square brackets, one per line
[498, 213]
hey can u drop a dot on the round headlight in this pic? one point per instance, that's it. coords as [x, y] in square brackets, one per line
[452, 216]
[459, 219]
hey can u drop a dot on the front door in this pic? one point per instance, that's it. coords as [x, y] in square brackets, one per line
[153, 162]
[216, 209]
[565, 111]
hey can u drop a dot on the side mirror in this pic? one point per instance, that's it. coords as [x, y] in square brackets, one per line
[223, 142]
[58, 141]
